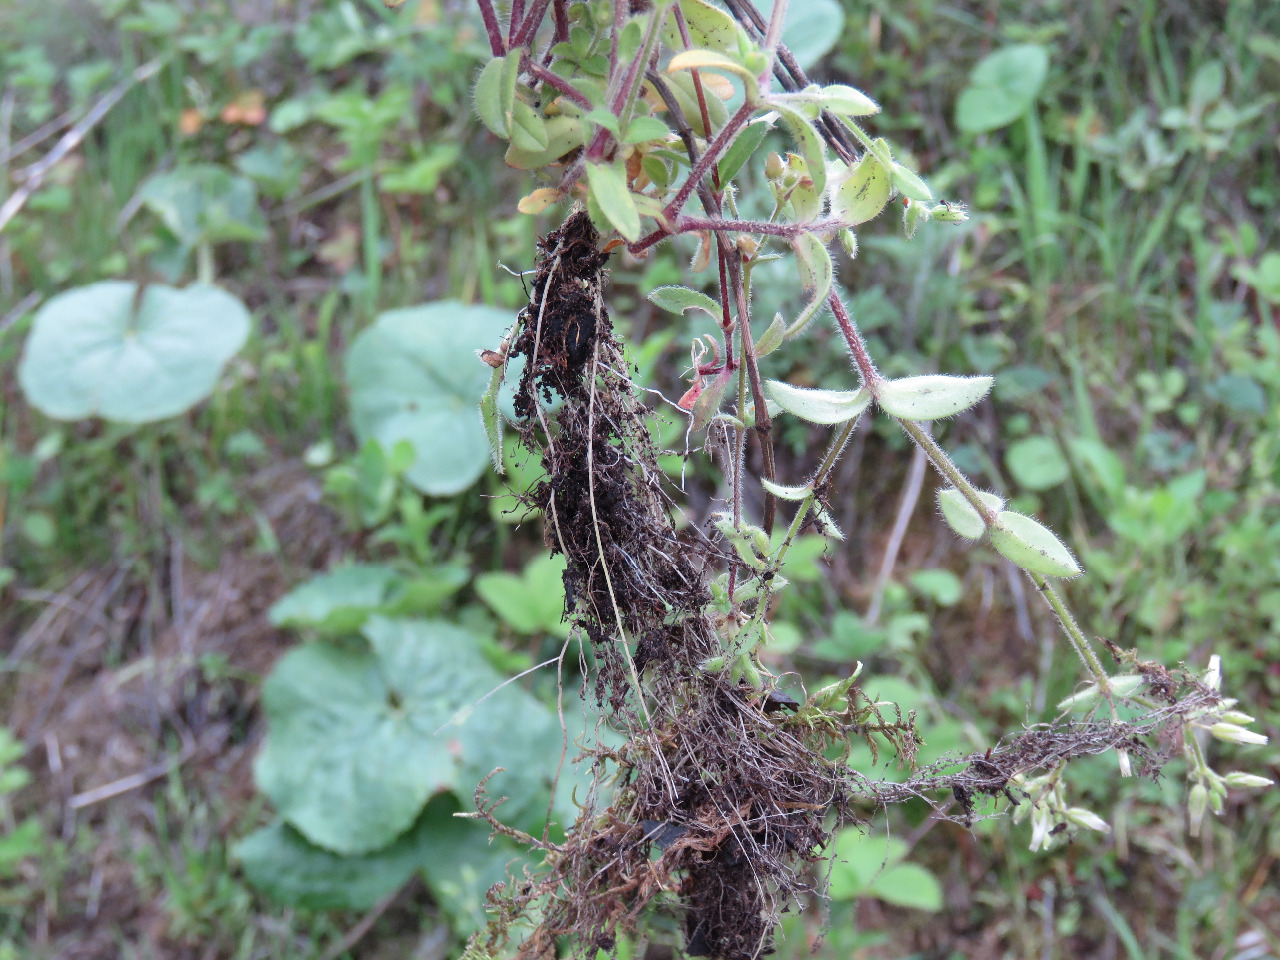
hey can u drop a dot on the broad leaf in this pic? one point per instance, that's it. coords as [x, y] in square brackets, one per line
[811, 30]
[358, 740]
[1002, 87]
[709, 27]
[340, 601]
[1037, 463]
[205, 203]
[90, 354]
[414, 376]
[677, 299]
[293, 872]
[529, 602]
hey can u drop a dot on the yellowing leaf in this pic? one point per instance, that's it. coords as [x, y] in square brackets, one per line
[539, 200]
[864, 194]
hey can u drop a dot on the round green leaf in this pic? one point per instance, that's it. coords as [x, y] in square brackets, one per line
[205, 203]
[1037, 462]
[811, 30]
[280, 862]
[338, 601]
[90, 354]
[941, 586]
[1002, 87]
[352, 753]
[908, 885]
[414, 376]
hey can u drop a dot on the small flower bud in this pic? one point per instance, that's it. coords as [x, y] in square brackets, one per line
[1197, 801]
[1247, 781]
[946, 212]
[748, 246]
[849, 240]
[1230, 733]
[1213, 676]
[774, 167]
[1236, 716]
[1040, 827]
[1126, 766]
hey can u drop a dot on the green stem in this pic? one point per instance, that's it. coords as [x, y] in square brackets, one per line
[205, 271]
[369, 222]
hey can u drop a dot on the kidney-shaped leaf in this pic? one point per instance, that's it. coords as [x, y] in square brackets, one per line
[280, 862]
[414, 376]
[353, 754]
[1002, 86]
[91, 354]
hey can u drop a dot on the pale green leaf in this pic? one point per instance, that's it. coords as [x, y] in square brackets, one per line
[816, 275]
[910, 185]
[89, 353]
[864, 194]
[676, 299]
[528, 130]
[488, 95]
[1032, 546]
[961, 515]
[931, 397]
[783, 492]
[414, 376]
[818, 406]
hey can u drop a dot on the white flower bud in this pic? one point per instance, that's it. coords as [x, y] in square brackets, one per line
[1126, 767]
[1040, 827]
[1246, 780]
[1213, 676]
[1231, 733]
[1197, 801]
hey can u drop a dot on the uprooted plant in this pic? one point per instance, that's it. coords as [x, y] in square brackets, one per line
[726, 788]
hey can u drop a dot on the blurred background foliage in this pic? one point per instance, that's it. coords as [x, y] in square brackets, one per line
[1120, 276]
